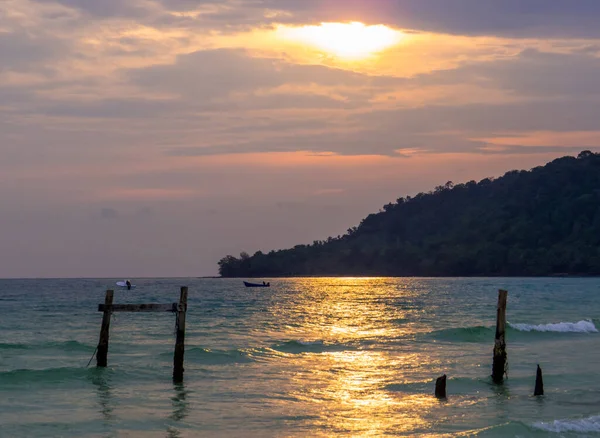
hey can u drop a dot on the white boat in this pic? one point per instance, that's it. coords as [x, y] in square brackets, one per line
[127, 284]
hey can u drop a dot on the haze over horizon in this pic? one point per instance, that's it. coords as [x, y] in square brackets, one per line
[153, 137]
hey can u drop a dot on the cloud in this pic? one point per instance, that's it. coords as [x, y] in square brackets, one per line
[21, 51]
[512, 18]
[538, 74]
[212, 74]
[109, 213]
[145, 212]
[325, 192]
[132, 108]
[549, 91]
[531, 150]
[242, 103]
[362, 142]
[107, 8]
[523, 116]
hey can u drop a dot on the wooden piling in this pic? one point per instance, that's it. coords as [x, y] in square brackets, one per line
[499, 364]
[440, 387]
[102, 355]
[180, 340]
[539, 382]
[138, 308]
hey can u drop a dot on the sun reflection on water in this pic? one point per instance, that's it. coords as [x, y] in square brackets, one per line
[345, 386]
[349, 390]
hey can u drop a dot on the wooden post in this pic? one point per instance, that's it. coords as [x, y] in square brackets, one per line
[180, 340]
[440, 387]
[138, 307]
[539, 382]
[499, 364]
[101, 357]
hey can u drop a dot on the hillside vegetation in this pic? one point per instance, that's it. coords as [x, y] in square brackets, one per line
[545, 221]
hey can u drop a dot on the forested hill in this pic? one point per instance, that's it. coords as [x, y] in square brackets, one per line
[540, 222]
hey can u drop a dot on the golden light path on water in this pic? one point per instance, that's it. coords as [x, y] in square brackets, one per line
[345, 385]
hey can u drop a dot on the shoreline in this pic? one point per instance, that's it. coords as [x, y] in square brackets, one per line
[208, 277]
[410, 276]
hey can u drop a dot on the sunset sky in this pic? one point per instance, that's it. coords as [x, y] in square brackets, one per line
[153, 137]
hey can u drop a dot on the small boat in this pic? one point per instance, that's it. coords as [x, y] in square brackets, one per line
[127, 284]
[263, 284]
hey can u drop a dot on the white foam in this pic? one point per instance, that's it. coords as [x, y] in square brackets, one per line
[563, 327]
[591, 424]
[310, 342]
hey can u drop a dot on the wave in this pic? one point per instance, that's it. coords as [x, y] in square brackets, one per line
[209, 356]
[590, 424]
[216, 357]
[414, 386]
[4, 346]
[49, 375]
[483, 334]
[298, 347]
[65, 346]
[465, 334]
[585, 326]
[71, 346]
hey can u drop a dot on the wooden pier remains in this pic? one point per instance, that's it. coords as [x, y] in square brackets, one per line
[539, 383]
[440, 387]
[499, 363]
[102, 355]
[180, 337]
[179, 308]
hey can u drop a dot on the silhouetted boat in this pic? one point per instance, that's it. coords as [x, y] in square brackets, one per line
[263, 284]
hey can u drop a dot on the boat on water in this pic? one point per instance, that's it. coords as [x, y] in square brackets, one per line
[127, 284]
[263, 284]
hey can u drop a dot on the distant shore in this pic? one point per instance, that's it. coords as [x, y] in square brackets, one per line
[406, 276]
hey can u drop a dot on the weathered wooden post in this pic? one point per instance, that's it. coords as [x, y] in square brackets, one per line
[101, 357]
[539, 382]
[440, 387]
[180, 340]
[499, 364]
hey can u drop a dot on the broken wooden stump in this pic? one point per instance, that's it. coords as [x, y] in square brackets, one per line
[102, 356]
[499, 363]
[539, 383]
[440, 387]
[180, 340]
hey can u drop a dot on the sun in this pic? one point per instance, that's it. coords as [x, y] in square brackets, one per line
[346, 40]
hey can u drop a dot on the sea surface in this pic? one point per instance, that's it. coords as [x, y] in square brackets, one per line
[314, 357]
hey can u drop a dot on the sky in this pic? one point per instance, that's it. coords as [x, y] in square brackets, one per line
[146, 138]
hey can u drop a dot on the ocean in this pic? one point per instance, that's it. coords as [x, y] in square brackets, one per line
[307, 357]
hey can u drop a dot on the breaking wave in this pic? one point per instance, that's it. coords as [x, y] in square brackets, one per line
[483, 334]
[585, 326]
[582, 425]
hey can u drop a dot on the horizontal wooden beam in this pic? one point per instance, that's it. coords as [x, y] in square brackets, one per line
[138, 307]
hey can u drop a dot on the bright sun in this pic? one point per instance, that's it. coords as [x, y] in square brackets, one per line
[345, 40]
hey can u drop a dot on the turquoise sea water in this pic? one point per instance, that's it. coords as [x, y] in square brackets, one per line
[306, 357]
